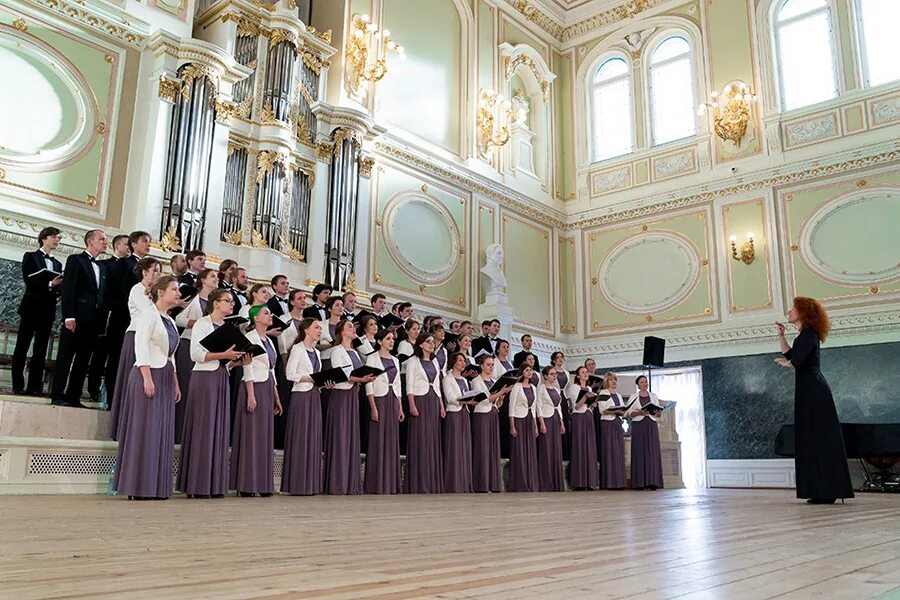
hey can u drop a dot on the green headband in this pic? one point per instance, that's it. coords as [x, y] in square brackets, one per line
[255, 311]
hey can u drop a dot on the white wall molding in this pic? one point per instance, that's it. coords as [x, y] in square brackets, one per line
[758, 473]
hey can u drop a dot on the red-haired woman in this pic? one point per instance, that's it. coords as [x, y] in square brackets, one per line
[820, 460]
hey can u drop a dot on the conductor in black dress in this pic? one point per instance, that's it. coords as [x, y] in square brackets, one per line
[37, 312]
[819, 457]
[84, 319]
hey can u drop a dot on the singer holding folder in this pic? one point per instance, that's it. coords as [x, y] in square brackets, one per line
[549, 442]
[424, 462]
[583, 473]
[253, 441]
[486, 472]
[342, 464]
[203, 466]
[612, 436]
[385, 414]
[457, 428]
[646, 454]
[523, 469]
[302, 472]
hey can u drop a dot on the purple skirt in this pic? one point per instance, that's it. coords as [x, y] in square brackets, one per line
[252, 449]
[458, 453]
[126, 363]
[203, 466]
[184, 368]
[147, 436]
[486, 474]
[342, 463]
[583, 472]
[523, 467]
[424, 463]
[302, 472]
[549, 451]
[383, 453]
[646, 456]
[612, 455]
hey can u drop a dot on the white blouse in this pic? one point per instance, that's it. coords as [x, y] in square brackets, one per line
[138, 302]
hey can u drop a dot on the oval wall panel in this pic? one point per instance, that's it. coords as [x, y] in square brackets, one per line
[50, 114]
[650, 272]
[852, 240]
[421, 237]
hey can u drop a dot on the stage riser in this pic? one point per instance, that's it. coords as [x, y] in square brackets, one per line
[52, 466]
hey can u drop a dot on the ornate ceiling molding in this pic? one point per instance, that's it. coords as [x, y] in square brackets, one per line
[108, 20]
[189, 50]
[563, 32]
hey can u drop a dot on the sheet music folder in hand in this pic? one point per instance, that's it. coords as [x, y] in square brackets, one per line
[365, 371]
[334, 375]
[44, 276]
[224, 338]
[472, 396]
[622, 409]
[503, 382]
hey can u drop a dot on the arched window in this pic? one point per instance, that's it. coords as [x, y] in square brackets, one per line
[611, 115]
[878, 40]
[804, 53]
[672, 102]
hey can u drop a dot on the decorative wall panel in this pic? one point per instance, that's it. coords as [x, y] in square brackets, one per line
[528, 256]
[749, 286]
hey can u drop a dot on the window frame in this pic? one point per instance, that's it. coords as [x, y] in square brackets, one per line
[774, 26]
[691, 54]
[592, 86]
[862, 63]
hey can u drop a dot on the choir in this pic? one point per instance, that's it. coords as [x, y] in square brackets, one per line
[264, 369]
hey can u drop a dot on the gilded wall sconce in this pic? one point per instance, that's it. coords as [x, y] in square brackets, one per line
[747, 251]
[491, 122]
[731, 110]
[367, 52]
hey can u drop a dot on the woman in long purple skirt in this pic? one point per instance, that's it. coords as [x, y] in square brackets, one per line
[523, 467]
[302, 471]
[342, 460]
[486, 470]
[457, 428]
[424, 462]
[149, 270]
[646, 454]
[385, 416]
[612, 436]
[253, 441]
[549, 442]
[147, 429]
[203, 466]
[583, 471]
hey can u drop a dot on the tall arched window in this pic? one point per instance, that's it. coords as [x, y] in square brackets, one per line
[878, 40]
[672, 102]
[805, 53]
[611, 113]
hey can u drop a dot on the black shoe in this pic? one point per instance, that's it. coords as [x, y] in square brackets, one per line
[245, 494]
[266, 495]
[17, 392]
[820, 501]
[218, 495]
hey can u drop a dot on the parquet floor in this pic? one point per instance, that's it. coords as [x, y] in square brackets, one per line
[711, 545]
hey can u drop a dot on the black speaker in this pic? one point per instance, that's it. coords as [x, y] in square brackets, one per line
[654, 352]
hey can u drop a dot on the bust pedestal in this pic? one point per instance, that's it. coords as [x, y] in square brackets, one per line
[496, 306]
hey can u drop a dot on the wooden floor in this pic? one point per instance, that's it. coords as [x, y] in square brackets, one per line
[716, 545]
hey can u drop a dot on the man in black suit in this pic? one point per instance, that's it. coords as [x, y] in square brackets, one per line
[519, 358]
[317, 311]
[84, 318]
[196, 262]
[139, 245]
[483, 342]
[279, 303]
[105, 359]
[37, 311]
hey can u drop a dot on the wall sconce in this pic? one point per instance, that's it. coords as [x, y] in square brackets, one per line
[492, 132]
[367, 52]
[730, 110]
[748, 252]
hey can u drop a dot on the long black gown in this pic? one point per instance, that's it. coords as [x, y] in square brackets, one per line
[820, 460]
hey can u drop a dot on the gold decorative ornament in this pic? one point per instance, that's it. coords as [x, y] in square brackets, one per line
[491, 122]
[350, 286]
[377, 278]
[424, 188]
[313, 61]
[20, 24]
[225, 111]
[461, 301]
[793, 247]
[235, 237]
[365, 166]
[324, 151]
[861, 183]
[109, 58]
[278, 35]
[325, 36]
[243, 108]
[101, 128]
[293, 254]
[168, 89]
[644, 228]
[257, 240]
[595, 325]
[91, 200]
[730, 110]
[748, 252]
[169, 242]
[311, 282]
[705, 262]
[265, 163]
[267, 116]
[341, 135]
[423, 288]
[788, 197]
[593, 281]
[2, 174]
[708, 311]
[194, 71]
[873, 289]
[648, 318]
[367, 52]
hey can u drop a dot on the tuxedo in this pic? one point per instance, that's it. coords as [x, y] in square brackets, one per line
[83, 300]
[188, 279]
[519, 360]
[105, 358]
[38, 312]
[278, 306]
[486, 343]
[239, 299]
[316, 311]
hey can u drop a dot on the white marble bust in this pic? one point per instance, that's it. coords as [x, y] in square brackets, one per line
[493, 269]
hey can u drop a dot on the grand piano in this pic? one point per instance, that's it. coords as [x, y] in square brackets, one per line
[875, 445]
